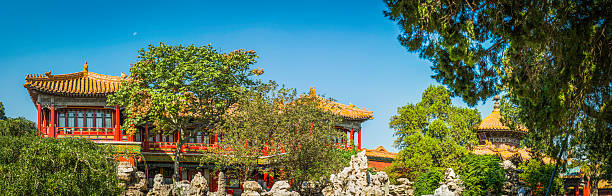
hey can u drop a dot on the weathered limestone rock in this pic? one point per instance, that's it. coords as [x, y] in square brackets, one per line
[404, 187]
[251, 188]
[280, 188]
[356, 180]
[513, 185]
[220, 186]
[181, 188]
[199, 185]
[160, 189]
[452, 185]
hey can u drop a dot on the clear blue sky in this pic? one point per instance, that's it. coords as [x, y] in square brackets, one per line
[347, 49]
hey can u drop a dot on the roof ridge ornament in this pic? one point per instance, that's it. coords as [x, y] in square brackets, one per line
[48, 74]
[496, 105]
[312, 91]
[85, 67]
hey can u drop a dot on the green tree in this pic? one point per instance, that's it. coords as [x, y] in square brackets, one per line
[481, 175]
[183, 89]
[274, 130]
[432, 133]
[32, 165]
[552, 58]
[19, 126]
[536, 175]
[2, 114]
[427, 183]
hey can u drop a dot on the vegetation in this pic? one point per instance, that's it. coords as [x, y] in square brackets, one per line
[432, 133]
[19, 126]
[427, 183]
[552, 58]
[482, 175]
[536, 177]
[31, 165]
[183, 89]
[290, 135]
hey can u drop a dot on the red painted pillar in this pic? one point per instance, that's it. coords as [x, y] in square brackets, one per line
[39, 121]
[180, 173]
[117, 125]
[145, 138]
[359, 139]
[52, 122]
[216, 140]
[352, 141]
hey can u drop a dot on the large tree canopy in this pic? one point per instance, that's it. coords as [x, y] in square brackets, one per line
[432, 133]
[283, 131]
[551, 57]
[183, 89]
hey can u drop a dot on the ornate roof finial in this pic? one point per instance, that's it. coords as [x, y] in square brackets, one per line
[123, 75]
[48, 74]
[496, 105]
[85, 67]
[312, 91]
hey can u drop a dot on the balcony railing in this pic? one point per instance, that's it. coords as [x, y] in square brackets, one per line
[170, 147]
[93, 133]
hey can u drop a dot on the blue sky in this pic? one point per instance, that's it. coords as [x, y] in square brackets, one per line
[347, 50]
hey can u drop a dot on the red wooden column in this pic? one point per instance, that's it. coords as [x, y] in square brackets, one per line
[145, 138]
[352, 141]
[117, 125]
[359, 139]
[39, 121]
[216, 139]
[52, 122]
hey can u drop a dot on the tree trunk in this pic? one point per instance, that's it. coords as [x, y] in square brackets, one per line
[177, 156]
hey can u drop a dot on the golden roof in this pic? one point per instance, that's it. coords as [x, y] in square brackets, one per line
[347, 111]
[380, 152]
[83, 83]
[493, 121]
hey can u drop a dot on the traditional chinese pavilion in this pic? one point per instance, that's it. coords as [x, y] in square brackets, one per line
[491, 129]
[74, 105]
[380, 158]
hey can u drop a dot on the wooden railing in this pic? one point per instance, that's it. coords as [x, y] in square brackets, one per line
[93, 133]
[170, 147]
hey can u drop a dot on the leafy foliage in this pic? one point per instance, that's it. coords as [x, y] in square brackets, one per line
[426, 183]
[288, 133]
[432, 133]
[481, 175]
[536, 176]
[183, 89]
[19, 126]
[552, 58]
[49, 166]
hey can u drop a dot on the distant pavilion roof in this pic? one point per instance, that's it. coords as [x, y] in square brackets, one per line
[380, 152]
[347, 111]
[79, 84]
[493, 121]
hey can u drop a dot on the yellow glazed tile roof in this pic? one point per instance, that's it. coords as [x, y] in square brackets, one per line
[380, 152]
[493, 121]
[347, 111]
[82, 83]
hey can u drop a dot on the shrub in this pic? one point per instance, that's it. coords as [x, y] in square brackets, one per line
[482, 175]
[537, 175]
[47, 166]
[426, 183]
